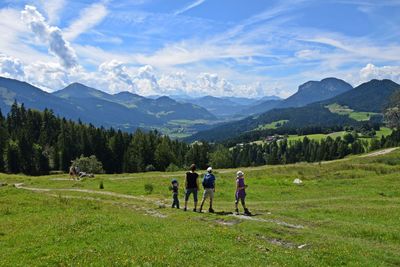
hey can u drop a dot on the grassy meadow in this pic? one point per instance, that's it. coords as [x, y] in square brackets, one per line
[346, 212]
[346, 111]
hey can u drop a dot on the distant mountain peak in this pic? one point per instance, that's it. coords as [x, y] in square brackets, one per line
[315, 91]
[165, 100]
[79, 90]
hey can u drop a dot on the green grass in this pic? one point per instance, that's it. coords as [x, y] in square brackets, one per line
[316, 137]
[272, 125]
[355, 115]
[187, 122]
[384, 131]
[349, 210]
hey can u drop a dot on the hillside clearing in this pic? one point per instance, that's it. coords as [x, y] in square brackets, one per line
[346, 111]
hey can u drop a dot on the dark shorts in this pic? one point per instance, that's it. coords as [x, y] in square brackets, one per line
[190, 191]
[241, 195]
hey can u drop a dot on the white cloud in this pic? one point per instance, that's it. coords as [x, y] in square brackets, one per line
[89, 18]
[46, 75]
[11, 67]
[53, 9]
[174, 84]
[308, 54]
[12, 30]
[190, 6]
[212, 84]
[117, 76]
[51, 35]
[145, 81]
[370, 71]
[197, 51]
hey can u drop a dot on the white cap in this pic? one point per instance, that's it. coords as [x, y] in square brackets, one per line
[239, 174]
[209, 169]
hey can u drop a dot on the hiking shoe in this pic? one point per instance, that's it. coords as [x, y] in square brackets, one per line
[247, 212]
[237, 211]
[194, 210]
[210, 210]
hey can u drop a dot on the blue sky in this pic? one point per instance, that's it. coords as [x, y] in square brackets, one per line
[218, 47]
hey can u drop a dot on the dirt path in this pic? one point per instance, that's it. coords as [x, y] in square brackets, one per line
[147, 211]
[150, 212]
[380, 152]
[281, 223]
[89, 191]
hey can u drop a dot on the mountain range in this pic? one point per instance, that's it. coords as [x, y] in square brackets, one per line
[371, 97]
[77, 101]
[209, 118]
[309, 92]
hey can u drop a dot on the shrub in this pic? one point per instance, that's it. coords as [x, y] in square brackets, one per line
[172, 168]
[150, 168]
[148, 188]
[88, 164]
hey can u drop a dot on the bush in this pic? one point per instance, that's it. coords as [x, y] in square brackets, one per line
[150, 168]
[88, 164]
[172, 168]
[148, 188]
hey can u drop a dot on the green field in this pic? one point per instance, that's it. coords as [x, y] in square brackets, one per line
[355, 115]
[178, 129]
[272, 125]
[345, 213]
[317, 137]
[384, 131]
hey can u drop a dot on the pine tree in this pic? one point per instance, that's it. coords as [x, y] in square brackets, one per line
[12, 157]
[163, 155]
[3, 141]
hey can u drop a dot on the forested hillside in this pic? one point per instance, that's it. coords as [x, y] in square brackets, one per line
[35, 143]
[309, 116]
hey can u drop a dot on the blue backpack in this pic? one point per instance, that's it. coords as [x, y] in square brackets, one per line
[208, 180]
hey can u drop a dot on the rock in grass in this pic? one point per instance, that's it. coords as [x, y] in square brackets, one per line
[297, 181]
[161, 205]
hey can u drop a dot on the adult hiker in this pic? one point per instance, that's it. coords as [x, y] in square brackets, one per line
[209, 189]
[191, 186]
[241, 193]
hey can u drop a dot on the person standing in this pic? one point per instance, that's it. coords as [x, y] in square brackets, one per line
[241, 193]
[209, 189]
[175, 192]
[191, 186]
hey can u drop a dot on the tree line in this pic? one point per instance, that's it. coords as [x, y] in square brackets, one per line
[36, 143]
[305, 150]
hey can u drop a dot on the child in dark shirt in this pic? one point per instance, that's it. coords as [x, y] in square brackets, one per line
[175, 191]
